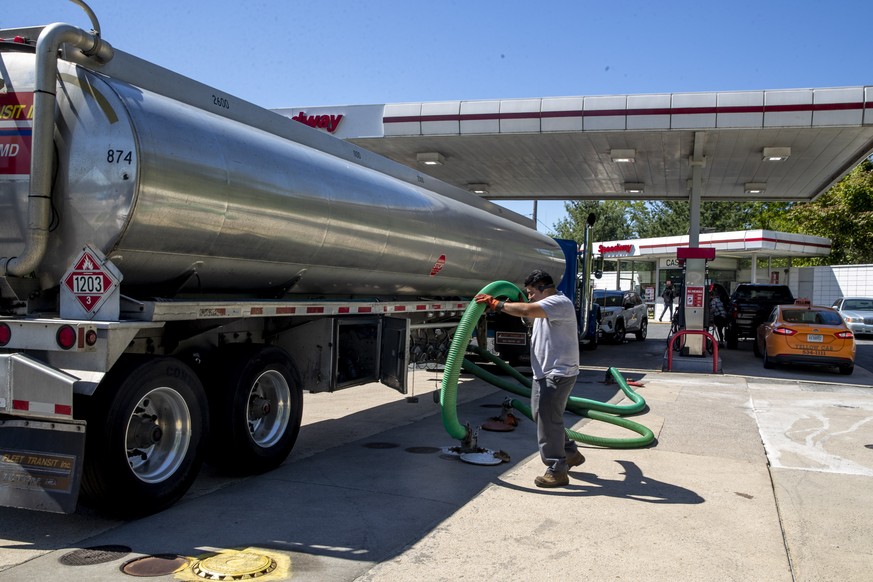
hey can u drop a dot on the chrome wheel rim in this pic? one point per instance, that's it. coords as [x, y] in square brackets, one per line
[158, 434]
[269, 408]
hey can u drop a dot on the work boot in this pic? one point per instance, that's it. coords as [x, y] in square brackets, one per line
[575, 459]
[552, 479]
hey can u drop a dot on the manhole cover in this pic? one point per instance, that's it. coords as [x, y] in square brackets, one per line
[484, 458]
[380, 445]
[93, 555]
[160, 565]
[234, 566]
[423, 450]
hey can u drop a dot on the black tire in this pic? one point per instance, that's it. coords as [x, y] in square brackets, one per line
[847, 369]
[256, 408]
[755, 348]
[146, 432]
[619, 333]
[592, 342]
[768, 363]
[644, 330]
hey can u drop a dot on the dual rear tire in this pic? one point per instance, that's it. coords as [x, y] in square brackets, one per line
[149, 425]
[258, 405]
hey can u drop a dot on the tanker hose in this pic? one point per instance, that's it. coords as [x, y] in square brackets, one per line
[580, 406]
[638, 402]
[593, 409]
[454, 360]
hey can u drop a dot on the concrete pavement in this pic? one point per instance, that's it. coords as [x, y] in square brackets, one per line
[752, 477]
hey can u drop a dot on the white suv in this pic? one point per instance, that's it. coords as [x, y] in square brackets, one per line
[622, 312]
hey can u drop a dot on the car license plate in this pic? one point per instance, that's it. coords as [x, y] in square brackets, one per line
[813, 338]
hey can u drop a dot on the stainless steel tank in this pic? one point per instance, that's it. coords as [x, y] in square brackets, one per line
[180, 197]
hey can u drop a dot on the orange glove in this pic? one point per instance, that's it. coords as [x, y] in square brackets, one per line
[492, 303]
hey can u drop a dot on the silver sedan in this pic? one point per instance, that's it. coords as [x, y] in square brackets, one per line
[857, 312]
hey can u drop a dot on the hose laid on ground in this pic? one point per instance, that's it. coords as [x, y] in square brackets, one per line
[581, 406]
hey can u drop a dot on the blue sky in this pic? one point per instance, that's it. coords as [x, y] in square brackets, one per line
[286, 53]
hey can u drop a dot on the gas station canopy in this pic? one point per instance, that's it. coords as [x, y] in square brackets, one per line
[737, 244]
[755, 145]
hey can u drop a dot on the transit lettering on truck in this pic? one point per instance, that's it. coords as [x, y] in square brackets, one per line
[15, 137]
[16, 106]
[37, 470]
[13, 112]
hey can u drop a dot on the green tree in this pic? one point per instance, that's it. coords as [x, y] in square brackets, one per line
[671, 218]
[612, 222]
[843, 214]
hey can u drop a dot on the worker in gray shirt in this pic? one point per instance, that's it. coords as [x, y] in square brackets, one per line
[554, 354]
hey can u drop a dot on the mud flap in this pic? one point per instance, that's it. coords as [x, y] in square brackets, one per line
[41, 464]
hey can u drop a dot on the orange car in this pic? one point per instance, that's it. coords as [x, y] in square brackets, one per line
[805, 334]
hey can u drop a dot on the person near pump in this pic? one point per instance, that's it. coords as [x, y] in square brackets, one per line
[717, 313]
[554, 360]
[668, 294]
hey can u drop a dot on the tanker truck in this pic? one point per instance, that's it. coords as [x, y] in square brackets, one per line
[177, 266]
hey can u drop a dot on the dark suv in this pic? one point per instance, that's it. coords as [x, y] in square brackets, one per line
[749, 306]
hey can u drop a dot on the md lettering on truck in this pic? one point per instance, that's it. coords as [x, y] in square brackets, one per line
[8, 150]
[328, 122]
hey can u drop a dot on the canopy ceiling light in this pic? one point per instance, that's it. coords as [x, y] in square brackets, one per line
[755, 187]
[622, 156]
[430, 158]
[634, 187]
[480, 189]
[776, 154]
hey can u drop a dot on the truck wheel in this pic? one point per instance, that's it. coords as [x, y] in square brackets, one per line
[145, 436]
[256, 409]
[644, 329]
[594, 341]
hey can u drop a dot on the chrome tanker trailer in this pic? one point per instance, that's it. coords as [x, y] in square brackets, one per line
[177, 266]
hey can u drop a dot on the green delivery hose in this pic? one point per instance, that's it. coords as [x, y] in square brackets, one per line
[581, 406]
[449, 386]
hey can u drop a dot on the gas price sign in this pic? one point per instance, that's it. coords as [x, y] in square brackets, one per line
[694, 296]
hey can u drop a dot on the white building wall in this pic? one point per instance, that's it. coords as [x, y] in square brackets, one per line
[830, 283]
[822, 285]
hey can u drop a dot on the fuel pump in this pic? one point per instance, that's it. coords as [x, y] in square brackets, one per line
[694, 294]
